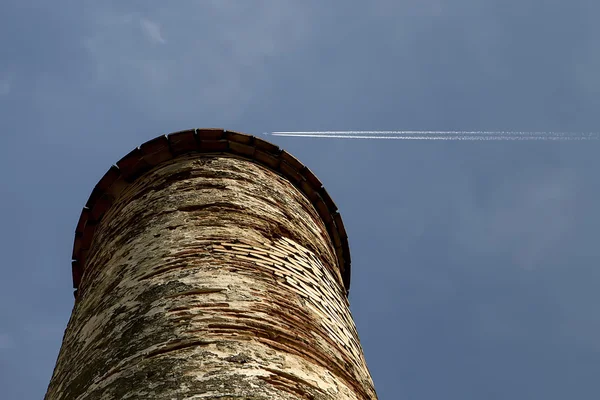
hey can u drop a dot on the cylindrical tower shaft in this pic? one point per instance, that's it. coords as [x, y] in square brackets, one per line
[210, 274]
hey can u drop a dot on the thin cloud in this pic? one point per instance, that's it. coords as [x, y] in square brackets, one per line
[241, 39]
[152, 31]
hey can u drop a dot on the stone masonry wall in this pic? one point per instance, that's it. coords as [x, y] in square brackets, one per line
[211, 277]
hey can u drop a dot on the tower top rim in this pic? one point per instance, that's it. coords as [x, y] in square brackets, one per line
[207, 141]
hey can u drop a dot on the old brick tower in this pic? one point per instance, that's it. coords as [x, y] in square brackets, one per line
[210, 264]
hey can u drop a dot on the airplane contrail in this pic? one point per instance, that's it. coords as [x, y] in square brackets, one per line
[442, 135]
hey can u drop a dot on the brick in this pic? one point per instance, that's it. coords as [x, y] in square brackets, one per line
[182, 142]
[267, 159]
[334, 234]
[289, 172]
[155, 145]
[241, 149]
[76, 248]
[311, 178]
[133, 165]
[328, 200]
[337, 217]
[291, 160]
[88, 234]
[82, 258]
[308, 190]
[214, 146]
[94, 196]
[339, 251]
[210, 134]
[346, 280]
[85, 213]
[238, 137]
[322, 209]
[109, 178]
[77, 273]
[156, 151]
[117, 187]
[101, 206]
[347, 260]
[266, 146]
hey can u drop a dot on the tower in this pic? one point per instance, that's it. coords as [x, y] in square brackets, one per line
[210, 264]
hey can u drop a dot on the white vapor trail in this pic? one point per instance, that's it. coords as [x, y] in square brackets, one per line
[442, 135]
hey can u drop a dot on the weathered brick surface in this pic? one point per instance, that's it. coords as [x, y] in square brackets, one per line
[210, 276]
[211, 141]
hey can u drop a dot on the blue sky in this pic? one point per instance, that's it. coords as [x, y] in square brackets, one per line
[475, 264]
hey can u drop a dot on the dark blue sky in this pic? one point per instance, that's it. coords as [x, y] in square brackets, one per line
[475, 264]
